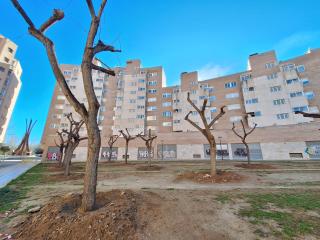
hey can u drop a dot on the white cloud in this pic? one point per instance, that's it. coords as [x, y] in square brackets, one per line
[296, 40]
[211, 70]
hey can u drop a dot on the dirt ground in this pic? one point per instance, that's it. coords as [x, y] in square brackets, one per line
[163, 208]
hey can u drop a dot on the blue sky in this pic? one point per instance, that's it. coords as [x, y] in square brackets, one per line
[214, 37]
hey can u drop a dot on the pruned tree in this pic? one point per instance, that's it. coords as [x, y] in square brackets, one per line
[112, 139]
[72, 142]
[206, 131]
[148, 139]
[61, 145]
[23, 148]
[88, 114]
[127, 137]
[244, 137]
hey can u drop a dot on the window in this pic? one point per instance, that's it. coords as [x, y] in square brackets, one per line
[141, 81]
[269, 65]
[301, 69]
[141, 89]
[288, 67]
[151, 118]
[74, 87]
[291, 81]
[152, 99]
[53, 125]
[232, 95]
[152, 83]
[233, 106]
[193, 83]
[272, 76]
[152, 74]
[61, 97]
[202, 97]
[140, 116]
[275, 89]
[249, 89]
[97, 80]
[67, 72]
[212, 98]
[213, 110]
[305, 82]
[132, 110]
[166, 95]
[194, 113]
[245, 77]
[176, 121]
[252, 101]
[167, 114]
[178, 110]
[166, 104]
[257, 114]
[2, 69]
[235, 119]
[282, 116]
[151, 108]
[132, 101]
[167, 124]
[309, 95]
[152, 90]
[296, 94]
[7, 60]
[132, 84]
[140, 107]
[10, 50]
[176, 90]
[230, 85]
[59, 106]
[133, 92]
[279, 101]
[301, 109]
[194, 92]
[176, 100]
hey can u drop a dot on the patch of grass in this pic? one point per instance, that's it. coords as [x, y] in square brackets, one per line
[290, 218]
[170, 189]
[14, 192]
[223, 198]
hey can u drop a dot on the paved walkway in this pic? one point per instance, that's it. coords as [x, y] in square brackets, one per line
[10, 170]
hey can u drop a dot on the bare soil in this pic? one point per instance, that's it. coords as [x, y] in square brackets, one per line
[220, 177]
[255, 166]
[60, 177]
[149, 168]
[119, 215]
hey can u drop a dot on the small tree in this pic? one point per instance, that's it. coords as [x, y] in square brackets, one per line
[38, 150]
[127, 137]
[111, 141]
[61, 145]
[73, 140]
[244, 137]
[148, 139]
[206, 131]
[88, 114]
[4, 149]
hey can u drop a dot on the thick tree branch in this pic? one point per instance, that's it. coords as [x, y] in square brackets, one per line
[192, 123]
[102, 69]
[101, 47]
[56, 16]
[222, 112]
[234, 130]
[91, 8]
[192, 104]
[103, 4]
[23, 13]
[205, 101]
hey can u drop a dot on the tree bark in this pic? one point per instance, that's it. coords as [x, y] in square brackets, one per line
[126, 152]
[90, 178]
[213, 155]
[110, 154]
[248, 152]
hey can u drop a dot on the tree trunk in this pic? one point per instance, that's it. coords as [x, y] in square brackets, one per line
[149, 155]
[110, 154]
[68, 158]
[126, 152]
[213, 158]
[248, 152]
[90, 178]
[61, 156]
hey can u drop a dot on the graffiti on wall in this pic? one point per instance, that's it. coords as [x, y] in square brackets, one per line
[167, 151]
[143, 153]
[53, 154]
[105, 153]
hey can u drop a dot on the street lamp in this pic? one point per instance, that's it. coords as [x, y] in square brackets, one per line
[221, 147]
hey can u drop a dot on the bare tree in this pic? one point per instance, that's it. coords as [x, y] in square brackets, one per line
[73, 140]
[244, 137]
[206, 131]
[88, 114]
[111, 141]
[148, 141]
[61, 145]
[127, 137]
[23, 148]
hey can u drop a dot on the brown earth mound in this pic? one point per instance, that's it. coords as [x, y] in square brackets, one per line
[116, 217]
[255, 166]
[220, 177]
[149, 168]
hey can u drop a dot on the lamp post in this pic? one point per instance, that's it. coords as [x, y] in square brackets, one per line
[221, 147]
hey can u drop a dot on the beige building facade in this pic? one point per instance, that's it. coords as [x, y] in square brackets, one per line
[267, 94]
[10, 83]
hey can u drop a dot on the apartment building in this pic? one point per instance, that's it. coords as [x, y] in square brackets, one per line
[10, 83]
[266, 94]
